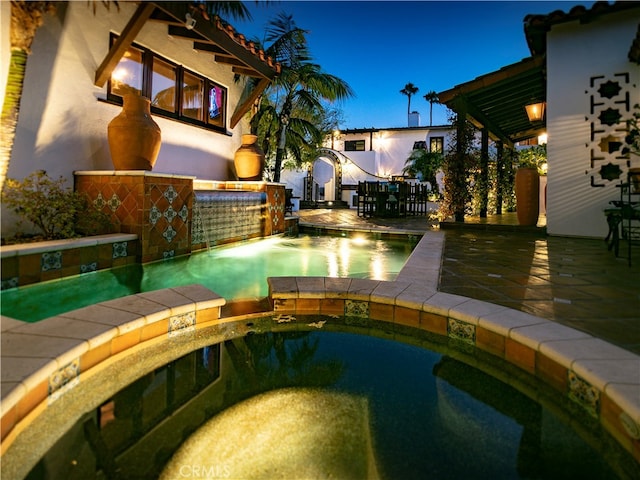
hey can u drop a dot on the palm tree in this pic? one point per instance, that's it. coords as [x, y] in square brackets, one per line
[291, 104]
[409, 90]
[431, 97]
[424, 164]
[26, 17]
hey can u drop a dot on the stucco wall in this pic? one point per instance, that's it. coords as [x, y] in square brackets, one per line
[391, 148]
[580, 58]
[63, 123]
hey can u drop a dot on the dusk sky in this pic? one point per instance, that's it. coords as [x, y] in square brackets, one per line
[377, 47]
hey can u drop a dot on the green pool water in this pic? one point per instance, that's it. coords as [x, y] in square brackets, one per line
[238, 271]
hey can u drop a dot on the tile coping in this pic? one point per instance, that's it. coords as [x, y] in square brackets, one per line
[358, 229]
[130, 173]
[7, 251]
[41, 350]
[200, 184]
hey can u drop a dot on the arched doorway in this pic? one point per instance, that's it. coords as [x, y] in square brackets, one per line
[323, 185]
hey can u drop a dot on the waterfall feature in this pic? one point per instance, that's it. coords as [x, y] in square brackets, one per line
[223, 216]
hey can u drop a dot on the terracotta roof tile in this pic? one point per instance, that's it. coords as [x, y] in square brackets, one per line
[536, 26]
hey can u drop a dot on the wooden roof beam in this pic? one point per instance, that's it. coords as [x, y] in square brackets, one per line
[506, 73]
[247, 72]
[229, 60]
[224, 38]
[162, 17]
[210, 47]
[124, 41]
[185, 33]
[243, 107]
[481, 121]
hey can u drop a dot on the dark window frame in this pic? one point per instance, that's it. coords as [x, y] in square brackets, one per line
[354, 145]
[148, 56]
[438, 143]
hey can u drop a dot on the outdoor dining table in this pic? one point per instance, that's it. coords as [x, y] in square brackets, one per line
[383, 199]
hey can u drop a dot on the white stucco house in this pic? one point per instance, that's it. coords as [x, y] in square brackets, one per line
[362, 154]
[70, 96]
[585, 65]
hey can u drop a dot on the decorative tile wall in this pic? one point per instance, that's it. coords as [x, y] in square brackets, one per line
[155, 207]
[224, 216]
[232, 211]
[160, 209]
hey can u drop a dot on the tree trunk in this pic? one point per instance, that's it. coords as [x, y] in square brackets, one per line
[280, 154]
[26, 18]
[11, 108]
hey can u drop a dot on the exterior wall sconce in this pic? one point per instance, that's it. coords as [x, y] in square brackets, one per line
[535, 111]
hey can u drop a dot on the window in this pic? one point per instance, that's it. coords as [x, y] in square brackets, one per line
[192, 97]
[436, 144]
[127, 76]
[354, 145]
[163, 85]
[175, 92]
[420, 144]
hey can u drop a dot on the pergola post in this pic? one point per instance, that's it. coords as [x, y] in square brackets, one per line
[484, 172]
[499, 176]
[458, 169]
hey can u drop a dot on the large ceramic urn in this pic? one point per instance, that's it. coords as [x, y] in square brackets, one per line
[527, 196]
[249, 159]
[134, 138]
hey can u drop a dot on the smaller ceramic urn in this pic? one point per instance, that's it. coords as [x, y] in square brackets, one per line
[249, 159]
[134, 138]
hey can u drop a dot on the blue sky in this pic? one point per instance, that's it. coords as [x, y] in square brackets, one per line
[379, 46]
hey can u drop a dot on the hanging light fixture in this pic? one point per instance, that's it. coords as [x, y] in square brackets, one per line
[535, 111]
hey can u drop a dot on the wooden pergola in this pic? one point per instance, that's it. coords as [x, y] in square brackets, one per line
[209, 35]
[495, 104]
[496, 101]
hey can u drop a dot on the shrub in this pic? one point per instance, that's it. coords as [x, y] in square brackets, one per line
[56, 211]
[534, 157]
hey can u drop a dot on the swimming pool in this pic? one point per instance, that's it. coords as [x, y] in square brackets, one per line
[412, 408]
[238, 271]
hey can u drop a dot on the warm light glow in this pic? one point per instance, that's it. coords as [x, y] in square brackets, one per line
[345, 257]
[380, 141]
[543, 168]
[120, 74]
[384, 173]
[535, 111]
[348, 168]
[359, 240]
[282, 431]
[332, 264]
[542, 139]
